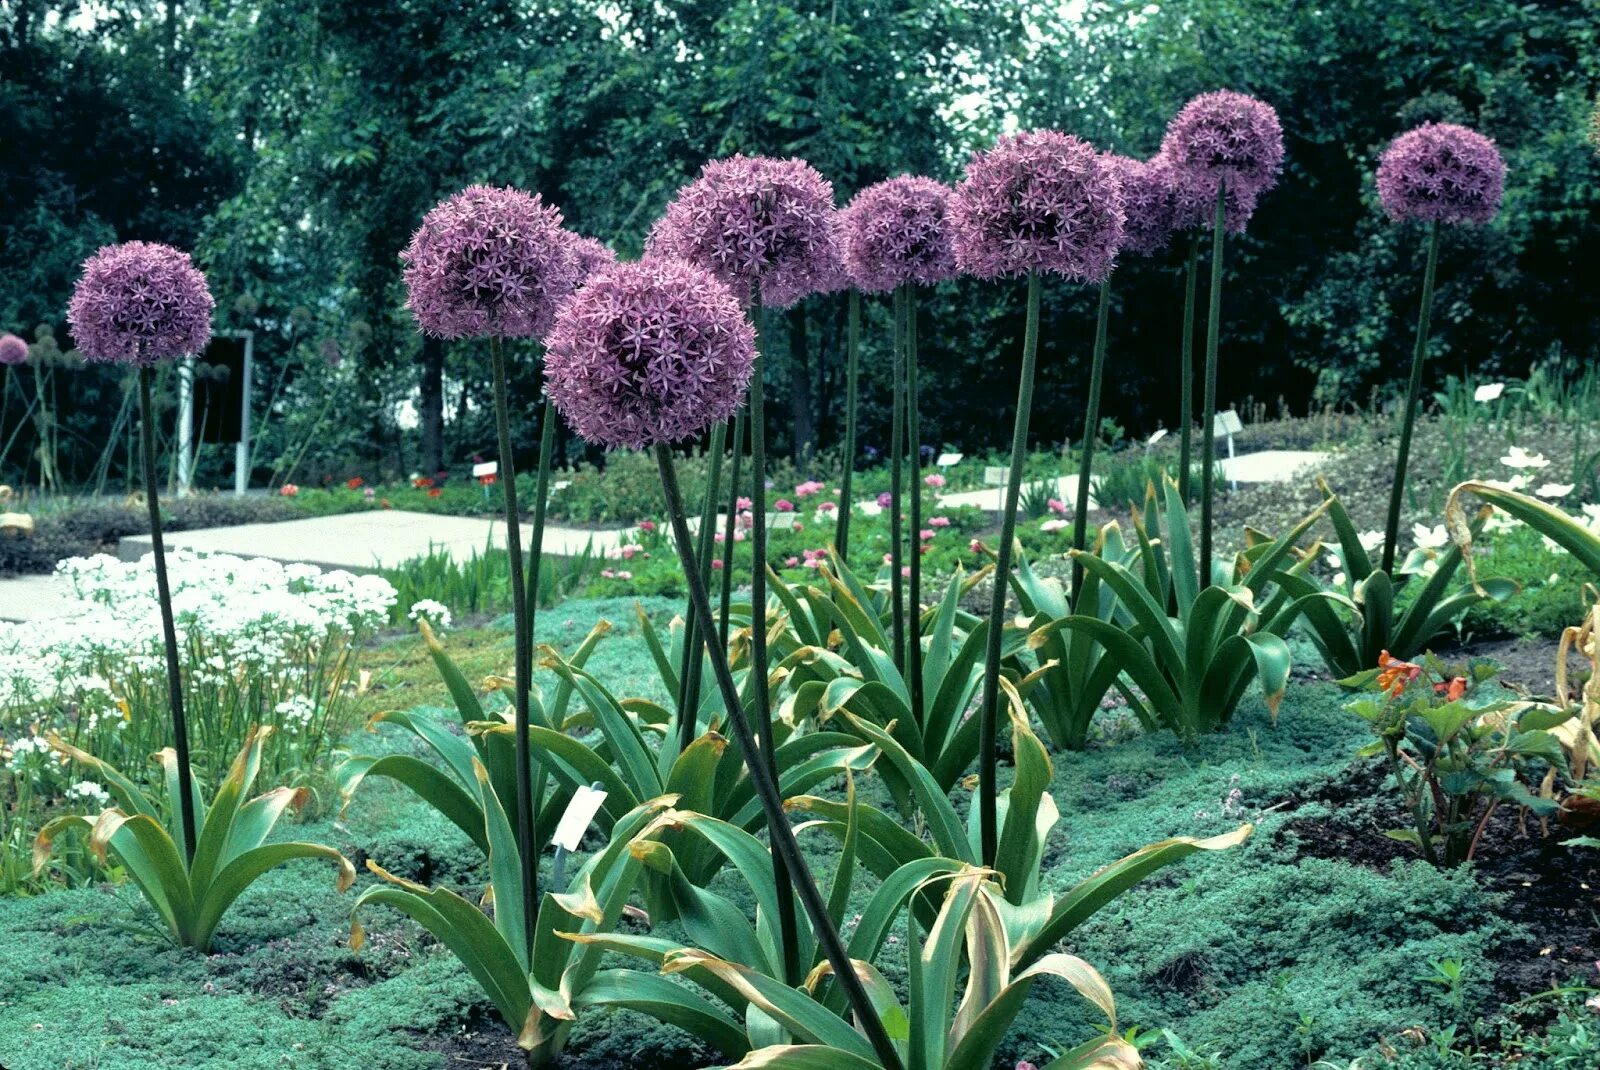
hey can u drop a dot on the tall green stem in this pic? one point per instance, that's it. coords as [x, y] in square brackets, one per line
[696, 630]
[732, 528]
[169, 629]
[787, 925]
[1208, 438]
[1186, 383]
[841, 538]
[541, 501]
[1419, 356]
[914, 535]
[1091, 431]
[785, 850]
[989, 711]
[524, 645]
[897, 436]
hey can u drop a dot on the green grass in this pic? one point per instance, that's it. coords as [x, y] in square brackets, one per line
[1252, 955]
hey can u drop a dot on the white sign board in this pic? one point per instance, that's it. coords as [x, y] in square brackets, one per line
[1157, 437]
[1489, 392]
[996, 475]
[1226, 423]
[487, 468]
[948, 459]
[586, 802]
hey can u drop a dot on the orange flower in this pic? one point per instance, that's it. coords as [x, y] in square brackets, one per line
[1454, 690]
[354, 482]
[435, 492]
[1394, 674]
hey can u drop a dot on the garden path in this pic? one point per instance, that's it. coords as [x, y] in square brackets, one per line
[364, 541]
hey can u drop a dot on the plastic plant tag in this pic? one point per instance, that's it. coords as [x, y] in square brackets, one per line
[586, 802]
[1489, 392]
[487, 468]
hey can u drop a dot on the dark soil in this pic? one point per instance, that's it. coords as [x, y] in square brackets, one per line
[1550, 889]
[1526, 664]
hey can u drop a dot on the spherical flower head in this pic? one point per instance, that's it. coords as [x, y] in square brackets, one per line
[896, 232]
[1038, 201]
[649, 352]
[489, 262]
[589, 255]
[1194, 203]
[1225, 137]
[761, 225]
[13, 350]
[1147, 201]
[139, 303]
[1441, 172]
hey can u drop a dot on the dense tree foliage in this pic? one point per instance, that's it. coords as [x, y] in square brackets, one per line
[295, 145]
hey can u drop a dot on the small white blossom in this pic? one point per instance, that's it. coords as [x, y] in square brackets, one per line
[436, 613]
[1434, 538]
[1518, 457]
[1553, 490]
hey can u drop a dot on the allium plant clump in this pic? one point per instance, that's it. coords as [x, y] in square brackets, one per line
[490, 261]
[649, 352]
[139, 303]
[13, 350]
[763, 226]
[1441, 172]
[898, 231]
[1038, 201]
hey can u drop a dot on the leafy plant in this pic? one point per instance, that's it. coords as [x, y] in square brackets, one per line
[1582, 543]
[1026, 813]
[191, 896]
[769, 1023]
[1402, 613]
[1455, 754]
[1189, 668]
[534, 979]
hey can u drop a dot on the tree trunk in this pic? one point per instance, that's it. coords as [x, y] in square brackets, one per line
[803, 420]
[430, 407]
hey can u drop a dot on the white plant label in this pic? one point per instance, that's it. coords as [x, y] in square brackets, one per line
[487, 468]
[586, 802]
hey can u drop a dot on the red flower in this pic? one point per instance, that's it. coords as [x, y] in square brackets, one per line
[354, 482]
[435, 492]
[422, 482]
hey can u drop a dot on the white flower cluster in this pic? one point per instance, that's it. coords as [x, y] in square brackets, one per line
[235, 618]
[437, 614]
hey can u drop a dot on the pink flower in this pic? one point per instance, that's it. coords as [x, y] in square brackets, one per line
[716, 564]
[791, 562]
[939, 522]
[719, 537]
[1057, 506]
[826, 507]
[743, 504]
[934, 480]
[799, 526]
[975, 546]
[288, 490]
[738, 536]
[905, 570]
[885, 500]
[606, 573]
[647, 526]
[808, 488]
[783, 505]
[926, 533]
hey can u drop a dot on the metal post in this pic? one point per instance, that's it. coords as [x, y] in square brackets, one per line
[241, 451]
[185, 426]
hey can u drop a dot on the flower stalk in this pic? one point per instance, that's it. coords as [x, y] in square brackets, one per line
[897, 438]
[697, 630]
[169, 630]
[914, 534]
[989, 711]
[524, 647]
[841, 537]
[1208, 413]
[732, 527]
[1186, 371]
[1091, 431]
[785, 850]
[1419, 356]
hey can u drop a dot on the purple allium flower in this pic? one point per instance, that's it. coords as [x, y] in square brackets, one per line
[1225, 137]
[1147, 200]
[1194, 204]
[757, 223]
[896, 231]
[649, 352]
[330, 352]
[13, 350]
[138, 303]
[589, 255]
[488, 261]
[1444, 172]
[1038, 201]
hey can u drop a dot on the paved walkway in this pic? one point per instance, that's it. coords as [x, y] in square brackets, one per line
[366, 541]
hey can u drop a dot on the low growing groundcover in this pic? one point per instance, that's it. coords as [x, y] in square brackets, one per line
[1296, 947]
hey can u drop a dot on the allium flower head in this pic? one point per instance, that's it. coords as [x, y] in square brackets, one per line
[1194, 203]
[1443, 172]
[898, 231]
[488, 261]
[649, 352]
[1225, 137]
[1038, 201]
[589, 255]
[762, 225]
[1147, 200]
[138, 303]
[13, 350]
